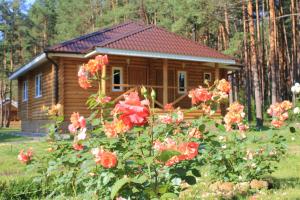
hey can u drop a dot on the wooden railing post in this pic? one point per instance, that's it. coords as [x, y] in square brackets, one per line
[165, 81]
[217, 71]
[103, 80]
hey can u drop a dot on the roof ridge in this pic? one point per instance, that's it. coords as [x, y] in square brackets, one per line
[127, 35]
[62, 44]
[186, 39]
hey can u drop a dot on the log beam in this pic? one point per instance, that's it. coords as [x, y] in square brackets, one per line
[103, 80]
[165, 81]
[217, 71]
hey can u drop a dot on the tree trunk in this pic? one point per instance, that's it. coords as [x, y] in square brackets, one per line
[283, 56]
[1, 102]
[248, 84]
[227, 28]
[142, 12]
[272, 53]
[10, 91]
[256, 83]
[294, 41]
[259, 52]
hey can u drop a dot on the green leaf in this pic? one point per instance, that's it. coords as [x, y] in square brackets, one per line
[96, 122]
[163, 189]
[149, 160]
[140, 180]
[169, 196]
[202, 128]
[166, 155]
[196, 172]
[221, 127]
[137, 129]
[179, 171]
[127, 155]
[292, 130]
[117, 186]
[191, 180]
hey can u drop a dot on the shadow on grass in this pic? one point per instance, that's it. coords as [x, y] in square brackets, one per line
[8, 137]
[284, 183]
[263, 128]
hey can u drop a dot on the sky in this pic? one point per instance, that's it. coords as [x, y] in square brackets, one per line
[28, 4]
[24, 9]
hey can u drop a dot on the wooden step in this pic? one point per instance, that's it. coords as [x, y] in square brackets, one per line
[188, 114]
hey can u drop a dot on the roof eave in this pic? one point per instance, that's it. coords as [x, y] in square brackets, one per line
[29, 66]
[147, 54]
[225, 63]
[40, 60]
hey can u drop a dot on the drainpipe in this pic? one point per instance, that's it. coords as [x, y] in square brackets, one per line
[55, 78]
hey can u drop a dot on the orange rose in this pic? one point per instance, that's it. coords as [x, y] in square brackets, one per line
[224, 86]
[105, 158]
[108, 159]
[277, 123]
[78, 147]
[286, 105]
[199, 95]
[25, 157]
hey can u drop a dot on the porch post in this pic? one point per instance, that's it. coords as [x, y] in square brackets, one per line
[165, 81]
[217, 71]
[103, 80]
[231, 93]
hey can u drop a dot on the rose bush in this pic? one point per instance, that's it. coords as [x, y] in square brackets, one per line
[132, 152]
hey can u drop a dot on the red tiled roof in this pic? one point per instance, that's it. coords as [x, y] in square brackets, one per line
[137, 37]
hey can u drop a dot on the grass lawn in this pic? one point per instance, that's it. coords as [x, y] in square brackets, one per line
[286, 180]
[10, 146]
[7, 136]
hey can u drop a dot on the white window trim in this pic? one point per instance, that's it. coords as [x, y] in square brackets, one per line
[185, 82]
[209, 75]
[40, 87]
[112, 79]
[25, 91]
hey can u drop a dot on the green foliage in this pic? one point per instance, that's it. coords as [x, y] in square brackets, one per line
[20, 190]
[236, 158]
[235, 45]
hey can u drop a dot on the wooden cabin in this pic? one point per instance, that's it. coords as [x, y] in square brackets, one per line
[138, 55]
[11, 113]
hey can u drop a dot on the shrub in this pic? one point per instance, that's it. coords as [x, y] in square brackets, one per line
[133, 152]
[21, 189]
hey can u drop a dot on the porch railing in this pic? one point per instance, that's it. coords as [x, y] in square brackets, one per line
[138, 87]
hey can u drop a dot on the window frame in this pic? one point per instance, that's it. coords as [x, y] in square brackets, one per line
[25, 91]
[210, 76]
[121, 79]
[40, 85]
[185, 82]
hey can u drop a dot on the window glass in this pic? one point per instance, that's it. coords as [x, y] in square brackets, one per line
[207, 76]
[38, 87]
[25, 91]
[117, 78]
[181, 82]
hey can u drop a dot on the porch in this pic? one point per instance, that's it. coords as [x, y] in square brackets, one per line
[171, 79]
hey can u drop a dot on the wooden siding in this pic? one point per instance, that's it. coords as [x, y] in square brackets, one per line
[136, 70]
[74, 98]
[71, 96]
[32, 108]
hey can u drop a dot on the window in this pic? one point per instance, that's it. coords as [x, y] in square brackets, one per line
[207, 76]
[117, 78]
[25, 90]
[38, 85]
[182, 83]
